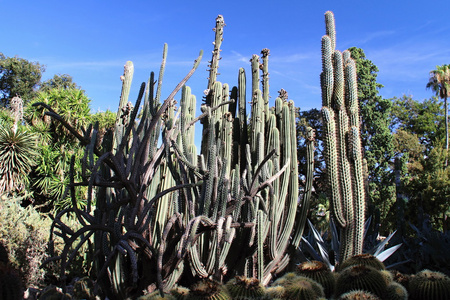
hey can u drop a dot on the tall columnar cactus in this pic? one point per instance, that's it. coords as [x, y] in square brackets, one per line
[343, 154]
[160, 205]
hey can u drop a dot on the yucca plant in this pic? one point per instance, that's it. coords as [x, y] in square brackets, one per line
[18, 151]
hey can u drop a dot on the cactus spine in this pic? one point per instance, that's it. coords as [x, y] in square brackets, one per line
[343, 153]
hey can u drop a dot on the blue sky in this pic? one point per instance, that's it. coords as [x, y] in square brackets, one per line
[92, 40]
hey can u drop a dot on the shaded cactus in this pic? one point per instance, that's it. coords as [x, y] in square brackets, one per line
[361, 278]
[342, 142]
[243, 288]
[209, 290]
[180, 293]
[274, 292]
[358, 295]
[54, 293]
[84, 289]
[362, 259]
[396, 291]
[3, 254]
[10, 283]
[429, 285]
[401, 278]
[156, 295]
[320, 273]
[303, 288]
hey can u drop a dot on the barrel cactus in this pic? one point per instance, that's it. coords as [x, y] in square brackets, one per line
[430, 285]
[361, 277]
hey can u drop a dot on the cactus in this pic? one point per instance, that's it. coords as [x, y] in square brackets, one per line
[84, 289]
[429, 285]
[156, 296]
[231, 209]
[319, 272]
[3, 254]
[361, 277]
[209, 290]
[396, 291]
[10, 283]
[342, 142]
[243, 288]
[54, 293]
[303, 288]
[180, 293]
[362, 259]
[274, 292]
[358, 295]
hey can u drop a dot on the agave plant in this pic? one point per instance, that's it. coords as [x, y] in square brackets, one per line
[316, 246]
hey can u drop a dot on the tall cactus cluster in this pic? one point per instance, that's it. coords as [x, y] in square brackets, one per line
[161, 213]
[342, 142]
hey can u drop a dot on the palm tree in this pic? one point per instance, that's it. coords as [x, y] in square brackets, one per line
[439, 82]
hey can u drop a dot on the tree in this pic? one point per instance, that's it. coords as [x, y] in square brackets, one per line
[18, 77]
[63, 81]
[56, 146]
[418, 138]
[439, 82]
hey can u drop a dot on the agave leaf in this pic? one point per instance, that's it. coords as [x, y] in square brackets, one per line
[388, 252]
[366, 226]
[320, 244]
[311, 250]
[378, 248]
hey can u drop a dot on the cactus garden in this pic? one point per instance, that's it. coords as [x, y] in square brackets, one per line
[249, 199]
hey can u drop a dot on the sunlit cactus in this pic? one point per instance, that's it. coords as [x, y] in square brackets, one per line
[342, 141]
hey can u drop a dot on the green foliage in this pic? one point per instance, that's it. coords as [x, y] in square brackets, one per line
[419, 142]
[63, 81]
[18, 77]
[24, 232]
[56, 145]
[18, 153]
[439, 82]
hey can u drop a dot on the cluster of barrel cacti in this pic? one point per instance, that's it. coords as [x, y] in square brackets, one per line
[160, 212]
[342, 141]
[359, 277]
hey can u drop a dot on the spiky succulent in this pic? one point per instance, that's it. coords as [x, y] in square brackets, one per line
[361, 277]
[362, 259]
[319, 272]
[243, 288]
[430, 285]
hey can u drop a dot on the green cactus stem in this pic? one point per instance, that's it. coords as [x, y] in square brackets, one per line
[342, 142]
